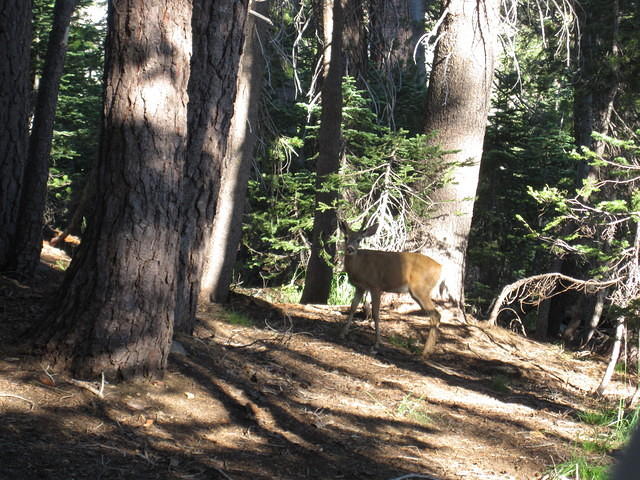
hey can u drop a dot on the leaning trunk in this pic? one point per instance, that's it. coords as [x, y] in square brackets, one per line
[615, 354]
[26, 252]
[218, 33]
[227, 225]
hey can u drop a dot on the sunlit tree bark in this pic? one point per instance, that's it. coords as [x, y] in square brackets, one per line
[227, 226]
[458, 101]
[218, 33]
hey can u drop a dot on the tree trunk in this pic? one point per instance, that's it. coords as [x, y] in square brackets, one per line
[28, 244]
[595, 312]
[596, 87]
[396, 27]
[319, 272]
[355, 42]
[15, 94]
[458, 101]
[615, 354]
[227, 225]
[218, 34]
[116, 307]
[82, 208]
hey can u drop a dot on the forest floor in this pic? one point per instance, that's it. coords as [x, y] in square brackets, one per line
[267, 391]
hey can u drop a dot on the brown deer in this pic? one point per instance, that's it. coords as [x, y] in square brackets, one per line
[398, 272]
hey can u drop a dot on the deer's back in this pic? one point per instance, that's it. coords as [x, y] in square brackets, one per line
[391, 271]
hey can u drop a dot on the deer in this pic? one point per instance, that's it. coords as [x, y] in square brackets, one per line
[377, 271]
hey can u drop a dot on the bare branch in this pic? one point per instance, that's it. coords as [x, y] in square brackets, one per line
[533, 290]
[11, 395]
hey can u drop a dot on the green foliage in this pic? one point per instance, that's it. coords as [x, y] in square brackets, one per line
[598, 229]
[407, 343]
[612, 429]
[601, 417]
[62, 265]
[500, 383]
[380, 167]
[280, 223]
[238, 318]
[78, 113]
[580, 467]
[412, 408]
[79, 109]
[341, 291]
[527, 147]
[288, 293]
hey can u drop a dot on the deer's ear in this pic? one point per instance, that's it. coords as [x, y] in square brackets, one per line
[344, 228]
[371, 230]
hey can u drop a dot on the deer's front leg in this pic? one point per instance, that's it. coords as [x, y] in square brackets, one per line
[357, 298]
[375, 307]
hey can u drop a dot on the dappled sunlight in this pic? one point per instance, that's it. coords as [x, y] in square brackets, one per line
[267, 391]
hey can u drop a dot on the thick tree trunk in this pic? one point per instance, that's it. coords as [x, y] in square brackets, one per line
[458, 102]
[218, 34]
[28, 244]
[319, 272]
[227, 225]
[116, 307]
[15, 94]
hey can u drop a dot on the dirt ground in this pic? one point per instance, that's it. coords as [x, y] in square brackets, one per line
[267, 391]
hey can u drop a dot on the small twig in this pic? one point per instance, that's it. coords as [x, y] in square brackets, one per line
[11, 395]
[46, 372]
[244, 345]
[260, 16]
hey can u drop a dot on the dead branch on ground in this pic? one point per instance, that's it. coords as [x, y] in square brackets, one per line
[11, 395]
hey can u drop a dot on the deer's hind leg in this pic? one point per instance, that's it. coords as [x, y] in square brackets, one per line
[423, 298]
[375, 311]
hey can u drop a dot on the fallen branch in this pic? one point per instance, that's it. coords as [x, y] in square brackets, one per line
[11, 395]
[414, 475]
[99, 392]
[541, 287]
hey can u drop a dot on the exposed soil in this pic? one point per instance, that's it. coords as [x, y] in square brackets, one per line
[283, 398]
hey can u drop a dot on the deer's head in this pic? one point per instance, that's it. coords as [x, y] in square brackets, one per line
[354, 237]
